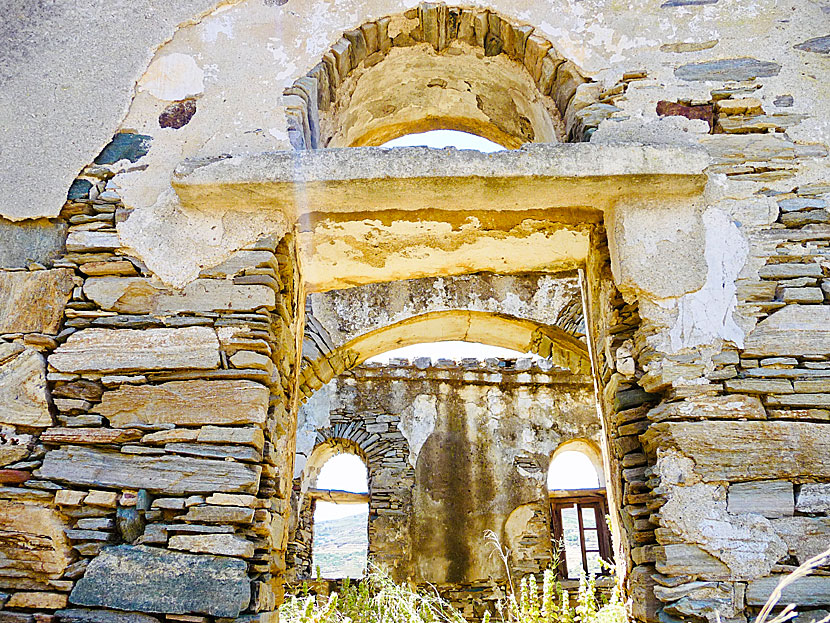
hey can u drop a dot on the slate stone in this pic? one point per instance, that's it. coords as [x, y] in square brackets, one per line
[727, 69]
[171, 475]
[79, 190]
[40, 240]
[819, 45]
[82, 615]
[33, 301]
[123, 145]
[674, 3]
[148, 579]
[130, 523]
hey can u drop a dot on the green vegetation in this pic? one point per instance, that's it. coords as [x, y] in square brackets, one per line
[340, 546]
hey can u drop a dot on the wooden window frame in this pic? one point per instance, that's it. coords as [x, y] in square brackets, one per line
[582, 499]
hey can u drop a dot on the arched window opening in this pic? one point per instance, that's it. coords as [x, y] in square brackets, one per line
[440, 139]
[578, 511]
[341, 518]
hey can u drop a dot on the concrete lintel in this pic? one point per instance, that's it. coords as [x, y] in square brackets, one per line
[537, 176]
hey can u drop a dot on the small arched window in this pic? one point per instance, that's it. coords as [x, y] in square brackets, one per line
[578, 509]
[341, 518]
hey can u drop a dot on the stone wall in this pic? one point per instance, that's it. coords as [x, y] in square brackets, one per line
[436, 438]
[144, 428]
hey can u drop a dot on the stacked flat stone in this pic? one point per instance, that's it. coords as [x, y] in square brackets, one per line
[163, 436]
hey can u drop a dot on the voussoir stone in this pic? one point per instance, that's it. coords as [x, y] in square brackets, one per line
[186, 403]
[122, 350]
[793, 330]
[172, 475]
[148, 579]
[23, 393]
[33, 301]
[137, 295]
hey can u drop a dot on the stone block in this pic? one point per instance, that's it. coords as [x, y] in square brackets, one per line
[107, 499]
[23, 393]
[147, 579]
[82, 241]
[770, 498]
[171, 475]
[89, 435]
[794, 330]
[137, 295]
[688, 559]
[805, 536]
[220, 544]
[729, 69]
[813, 498]
[186, 403]
[37, 600]
[83, 615]
[33, 301]
[123, 350]
[39, 240]
[759, 386]
[33, 541]
[740, 451]
[239, 261]
[807, 591]
[220, 514]
[738, 407]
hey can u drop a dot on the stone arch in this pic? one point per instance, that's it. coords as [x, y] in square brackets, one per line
[590, 449]
[493, 329]
[503, 80]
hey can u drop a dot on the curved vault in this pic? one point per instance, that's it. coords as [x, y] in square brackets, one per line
[494, 329]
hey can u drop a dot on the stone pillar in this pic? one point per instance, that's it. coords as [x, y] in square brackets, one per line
[152, 475]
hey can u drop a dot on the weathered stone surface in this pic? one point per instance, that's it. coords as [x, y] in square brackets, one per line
[41, 241]
[83, 615]
[137, 295]
[793, 330]
[819, 45]
[86, 241]
[32, 541]
[23, 393]
[770, 498]
[683, 558]
[808, 591]
[727, 69]
[89, 435]
[121, 350]
[125, 145]
[158, 474]
[33, 301]
[813, 498]
[148, 579]
[37, 600]
[805, 536]
[705, 407]
[221, 544]
[186, 403]
[736, 451]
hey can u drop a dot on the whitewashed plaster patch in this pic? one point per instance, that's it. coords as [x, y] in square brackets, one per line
[314, 415]
[707, 315]
[173, 77]
[417, 423]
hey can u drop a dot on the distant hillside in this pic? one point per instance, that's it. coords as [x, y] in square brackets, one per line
[340, 546]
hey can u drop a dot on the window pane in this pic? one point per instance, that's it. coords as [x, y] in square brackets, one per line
[573, 549]
[594, 564]
[589, 517]
[591, 540]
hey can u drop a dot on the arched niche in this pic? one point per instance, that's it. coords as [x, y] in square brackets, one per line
[438, 67]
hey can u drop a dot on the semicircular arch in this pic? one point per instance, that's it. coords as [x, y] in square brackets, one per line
[493, 329]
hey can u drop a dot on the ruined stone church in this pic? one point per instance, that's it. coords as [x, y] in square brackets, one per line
[202, 243]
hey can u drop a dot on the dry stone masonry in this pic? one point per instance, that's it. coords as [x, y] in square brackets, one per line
[200, 244]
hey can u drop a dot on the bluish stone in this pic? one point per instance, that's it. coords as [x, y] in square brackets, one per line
[125, 145]
[79, 190]
[819, 45]
[149, 579]
[673, 3]
[41, 240]
[801, 203]
[83, 615]
[736, 69]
